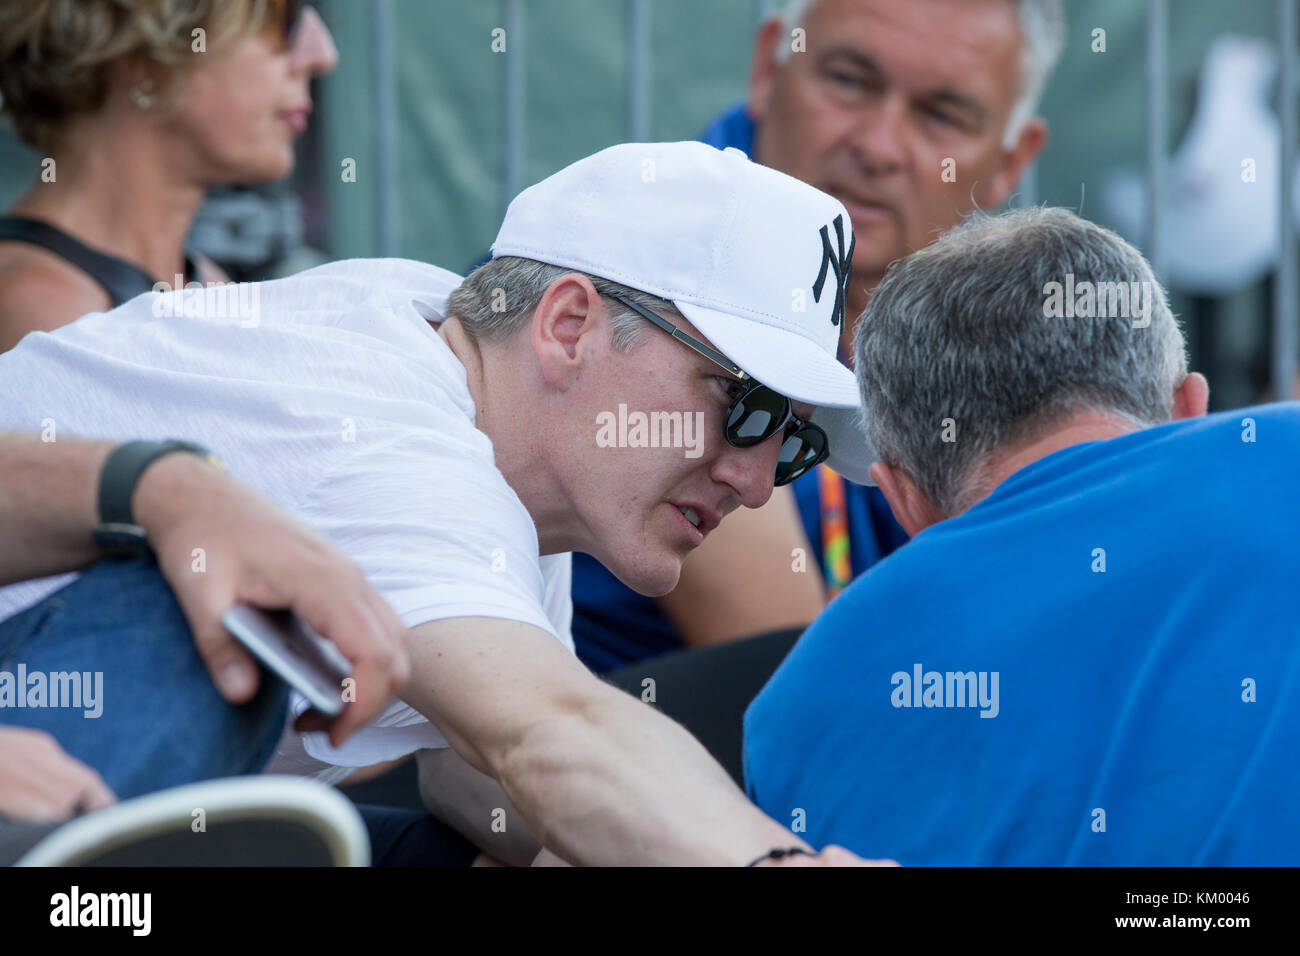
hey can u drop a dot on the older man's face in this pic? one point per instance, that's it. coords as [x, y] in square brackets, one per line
[886, 93]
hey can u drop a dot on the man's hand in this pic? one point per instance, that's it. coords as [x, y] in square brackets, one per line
[547, 858]
[38, 781]
[257, 554]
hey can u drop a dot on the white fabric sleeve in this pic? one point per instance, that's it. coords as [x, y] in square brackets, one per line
[435, 528]
[439, 533]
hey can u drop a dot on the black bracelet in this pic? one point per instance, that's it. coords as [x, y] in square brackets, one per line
[118, 533]
[123, 469]
[779, 853]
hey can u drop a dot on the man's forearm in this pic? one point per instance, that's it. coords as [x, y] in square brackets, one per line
[597, 776]
[48, 504]
[475, 806]
[620, 784]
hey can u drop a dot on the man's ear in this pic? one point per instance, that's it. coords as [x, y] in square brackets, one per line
[763, 69]
[1032, 140]
[1192, 397]
[565, 328]
[911, 508]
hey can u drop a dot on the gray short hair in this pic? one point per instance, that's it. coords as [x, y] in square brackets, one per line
[961, 330]
[499, 297]
[1043, 24]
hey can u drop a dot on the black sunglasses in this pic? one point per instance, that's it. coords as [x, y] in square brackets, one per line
[756, 412]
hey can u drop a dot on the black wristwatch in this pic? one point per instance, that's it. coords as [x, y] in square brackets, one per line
[118, 534]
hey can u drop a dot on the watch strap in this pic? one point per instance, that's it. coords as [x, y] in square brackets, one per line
[117, 482]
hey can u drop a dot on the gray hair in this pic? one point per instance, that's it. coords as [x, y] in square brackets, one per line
[499, 297]
[962, 330]
[1043, 24]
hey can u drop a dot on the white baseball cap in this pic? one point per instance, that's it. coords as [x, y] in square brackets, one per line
[758, 261]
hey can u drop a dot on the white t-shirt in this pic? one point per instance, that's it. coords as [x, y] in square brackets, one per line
[331, 394]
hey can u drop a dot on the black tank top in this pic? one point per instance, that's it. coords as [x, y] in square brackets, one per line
[120, 279]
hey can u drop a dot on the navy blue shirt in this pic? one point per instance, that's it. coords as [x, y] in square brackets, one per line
[613, 625]
[1098, 664]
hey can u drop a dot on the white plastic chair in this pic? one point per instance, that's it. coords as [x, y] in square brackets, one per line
[246, 821]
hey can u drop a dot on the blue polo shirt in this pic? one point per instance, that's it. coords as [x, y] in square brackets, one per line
[613, 625]
[1099, 664]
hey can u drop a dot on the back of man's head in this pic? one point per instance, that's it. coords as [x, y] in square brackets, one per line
[498, 298]
[1003, 329]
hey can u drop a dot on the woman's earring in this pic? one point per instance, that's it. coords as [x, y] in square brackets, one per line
[143, 95]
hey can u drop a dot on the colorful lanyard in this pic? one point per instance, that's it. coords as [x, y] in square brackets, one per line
[836, 563]
[835, 531]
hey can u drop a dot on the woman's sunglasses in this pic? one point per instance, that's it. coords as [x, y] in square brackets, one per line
[756, 413]
[290, 16]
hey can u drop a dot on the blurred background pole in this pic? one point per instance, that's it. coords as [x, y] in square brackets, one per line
[1028, 187]
[638, 71]
[514, 101]
[1026, 193]
[385, 120]
[1286, 294]
[1157, 122]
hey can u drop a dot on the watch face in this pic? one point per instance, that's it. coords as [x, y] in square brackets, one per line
[122, 540]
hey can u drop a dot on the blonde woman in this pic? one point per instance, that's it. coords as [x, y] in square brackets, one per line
[136, 107]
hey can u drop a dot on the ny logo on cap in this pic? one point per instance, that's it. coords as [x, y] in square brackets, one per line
[839, 264]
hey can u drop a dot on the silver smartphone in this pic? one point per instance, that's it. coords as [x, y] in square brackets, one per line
[293, 650]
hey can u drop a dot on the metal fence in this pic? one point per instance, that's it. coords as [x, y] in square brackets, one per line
[1286, 301]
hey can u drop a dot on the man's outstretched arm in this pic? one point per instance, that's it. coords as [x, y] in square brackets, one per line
[475, 806]
[599, 777]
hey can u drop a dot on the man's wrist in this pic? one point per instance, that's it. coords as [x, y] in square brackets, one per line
[119, 532]
[165, 490]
